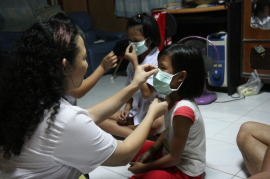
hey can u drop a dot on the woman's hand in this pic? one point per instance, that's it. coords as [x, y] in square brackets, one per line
[157, 109]
[137, 168]
[132, 56]
[110, 61]
[122, 116]
[142, 73]
[145, 157]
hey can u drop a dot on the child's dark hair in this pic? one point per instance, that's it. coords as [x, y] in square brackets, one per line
[189, 59]
[147, 25]
[258, 6]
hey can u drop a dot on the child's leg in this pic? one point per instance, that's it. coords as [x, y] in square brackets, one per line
[111, 126]
[168, 173]
[145, 147]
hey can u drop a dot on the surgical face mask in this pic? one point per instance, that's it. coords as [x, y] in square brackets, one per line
[162, 82]
[140, 47]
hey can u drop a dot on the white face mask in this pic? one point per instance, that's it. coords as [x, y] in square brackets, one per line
[140, 46]
[162, 81]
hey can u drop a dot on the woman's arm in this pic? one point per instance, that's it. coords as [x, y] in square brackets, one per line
[108, 62]
[127, 149]
[181, 129]
[108, 107]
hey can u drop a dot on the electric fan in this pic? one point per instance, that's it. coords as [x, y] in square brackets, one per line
[211, 62]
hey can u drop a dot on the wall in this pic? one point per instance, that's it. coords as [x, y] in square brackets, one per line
[104, 17]
[73, 6]
[102, 12]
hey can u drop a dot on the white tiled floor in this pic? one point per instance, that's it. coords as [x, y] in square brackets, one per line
[222, 122]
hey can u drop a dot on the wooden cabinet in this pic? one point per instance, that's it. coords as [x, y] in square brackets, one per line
[70, 5]
[255, 47]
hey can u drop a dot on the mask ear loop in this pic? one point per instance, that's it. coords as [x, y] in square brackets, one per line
[179, 85]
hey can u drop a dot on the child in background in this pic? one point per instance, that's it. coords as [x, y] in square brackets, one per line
[110, 61]
[144, 37]
[180, 150]
[260, 14]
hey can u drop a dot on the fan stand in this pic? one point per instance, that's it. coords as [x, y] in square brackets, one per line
[206, 98]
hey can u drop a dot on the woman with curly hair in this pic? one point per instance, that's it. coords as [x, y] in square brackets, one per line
[260, 14]
[41, 134]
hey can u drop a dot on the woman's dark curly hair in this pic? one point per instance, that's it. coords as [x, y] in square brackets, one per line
[33, 81]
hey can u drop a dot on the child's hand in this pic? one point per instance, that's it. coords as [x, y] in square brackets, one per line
[122, 116]
[132, 57]
[157, 109]
[110, 61]
[145, 157]
[137, 168]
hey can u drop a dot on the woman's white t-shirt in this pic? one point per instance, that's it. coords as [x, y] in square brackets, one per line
[140, 105]
[70, 99]
[74, 144]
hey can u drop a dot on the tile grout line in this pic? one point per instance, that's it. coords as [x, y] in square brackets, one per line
[220, 131]
[253, 109]
[115, 172]
[217, 119]
[223, 142]
[230, 122]
[220, 171]
[246, 115]
[240, 171]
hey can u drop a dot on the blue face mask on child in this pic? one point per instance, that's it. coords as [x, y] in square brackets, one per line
[162, 82]
[140, 47]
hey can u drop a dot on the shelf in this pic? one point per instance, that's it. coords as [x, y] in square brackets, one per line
[193, 10]
[204, 20]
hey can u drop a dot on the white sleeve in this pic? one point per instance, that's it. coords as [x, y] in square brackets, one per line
[150, 80]
[83, 144]
[70, 99]
[129, 75]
